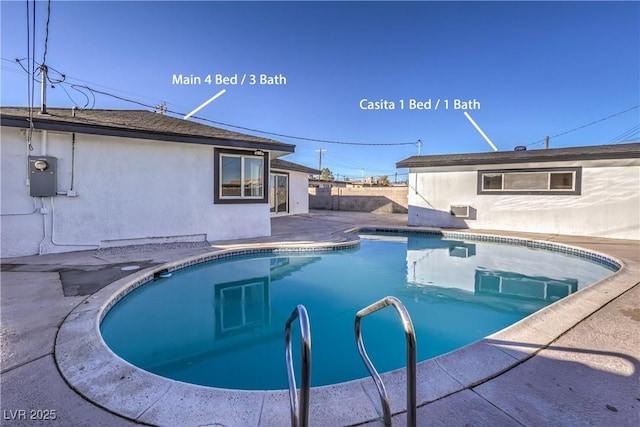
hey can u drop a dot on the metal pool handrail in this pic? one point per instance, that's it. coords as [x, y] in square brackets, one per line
[411, 358]
[299, 413]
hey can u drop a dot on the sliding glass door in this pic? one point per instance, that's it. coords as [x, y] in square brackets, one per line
[279, 193]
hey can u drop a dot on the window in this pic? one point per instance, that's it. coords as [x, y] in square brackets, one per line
[530, 181]
[241, 176]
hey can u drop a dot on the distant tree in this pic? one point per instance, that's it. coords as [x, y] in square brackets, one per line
[326, 175]
[383, 180]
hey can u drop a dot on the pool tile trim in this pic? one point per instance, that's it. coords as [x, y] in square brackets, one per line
[517, 241]
[79, 344]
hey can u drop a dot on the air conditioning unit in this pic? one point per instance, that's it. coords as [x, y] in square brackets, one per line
[460, 211]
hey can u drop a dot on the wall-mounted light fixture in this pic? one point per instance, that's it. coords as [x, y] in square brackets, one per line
[258, 153]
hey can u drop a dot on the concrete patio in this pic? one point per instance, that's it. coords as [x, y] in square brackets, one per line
[588, 374]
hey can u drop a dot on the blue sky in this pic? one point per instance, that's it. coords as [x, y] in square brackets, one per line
[534, 68]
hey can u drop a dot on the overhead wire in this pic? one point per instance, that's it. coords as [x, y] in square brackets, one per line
[57, 81]
[33, 62]
[46, 34]
[19, 60]
[586, 125]
[282, 135]
[30, 85]
[73, 100]
[327, 141]
[94, 91]
[10, 70]
[27, 70]
[627, 135]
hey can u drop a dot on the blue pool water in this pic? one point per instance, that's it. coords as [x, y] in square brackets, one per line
[222, 323]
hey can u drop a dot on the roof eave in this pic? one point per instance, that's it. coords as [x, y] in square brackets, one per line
[40, 124]
[303, 169]
[518, 157]
[284, 165]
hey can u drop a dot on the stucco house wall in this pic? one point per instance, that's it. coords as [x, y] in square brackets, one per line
[127, 177]
[298, 183]
[608, 206]
[298, 194]
[129, 191]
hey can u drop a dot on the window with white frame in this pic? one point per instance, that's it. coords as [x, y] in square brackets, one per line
[241, 176]
[530, 181]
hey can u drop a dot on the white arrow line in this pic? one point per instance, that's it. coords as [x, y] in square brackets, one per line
[480, 130]
[209, 101]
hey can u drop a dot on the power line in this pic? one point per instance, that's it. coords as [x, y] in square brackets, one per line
[282, 135]
[93, 91]
[31, 52]
[368, 144]
[627, 135]
[28, 62]
[584, 126]
[46, 34]
[69, 80]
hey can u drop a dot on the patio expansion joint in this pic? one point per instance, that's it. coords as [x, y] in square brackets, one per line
[375, 401]
[25, 363]
[69, 384]
[516, 363]
[476, 383]
[151, 405]
[507, 414]
[554, 340]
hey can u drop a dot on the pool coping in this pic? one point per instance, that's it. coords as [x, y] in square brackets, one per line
[94, 371]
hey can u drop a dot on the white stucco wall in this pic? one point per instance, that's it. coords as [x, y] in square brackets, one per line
[609, 205]
[128, 191]
[298, 193]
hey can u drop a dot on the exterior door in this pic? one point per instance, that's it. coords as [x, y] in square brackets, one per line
[279, 193]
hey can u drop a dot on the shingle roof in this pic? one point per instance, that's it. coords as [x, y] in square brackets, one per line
[135, 124]
[290, 166]
[595, 152]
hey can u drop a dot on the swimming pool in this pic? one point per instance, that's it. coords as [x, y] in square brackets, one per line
[221, 323]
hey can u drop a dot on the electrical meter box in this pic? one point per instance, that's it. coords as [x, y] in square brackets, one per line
[43, 173]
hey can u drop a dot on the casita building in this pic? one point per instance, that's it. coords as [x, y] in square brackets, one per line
[590, 191]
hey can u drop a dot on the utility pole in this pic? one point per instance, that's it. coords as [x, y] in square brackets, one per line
[419, 146]
[320, 151]
[43, 89]
[546, 143]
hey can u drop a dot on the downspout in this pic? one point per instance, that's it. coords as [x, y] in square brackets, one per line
[73, 161]
[46, 225]
[44, 140]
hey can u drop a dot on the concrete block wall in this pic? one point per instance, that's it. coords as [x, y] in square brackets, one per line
[360, 199]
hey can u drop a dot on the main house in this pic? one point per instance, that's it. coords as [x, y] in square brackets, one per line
[591, 191]
[86, 179]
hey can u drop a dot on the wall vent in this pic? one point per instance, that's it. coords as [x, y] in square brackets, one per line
[460, 211]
